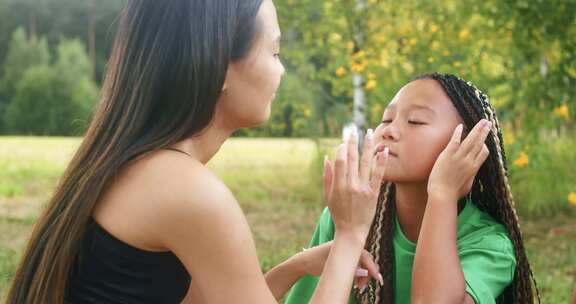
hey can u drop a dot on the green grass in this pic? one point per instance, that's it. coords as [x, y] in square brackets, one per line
[277, 184]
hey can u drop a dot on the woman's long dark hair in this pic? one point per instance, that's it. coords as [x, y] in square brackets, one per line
[490, 192]
[163, 81]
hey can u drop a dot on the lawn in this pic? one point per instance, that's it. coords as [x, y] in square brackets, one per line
[277, 184]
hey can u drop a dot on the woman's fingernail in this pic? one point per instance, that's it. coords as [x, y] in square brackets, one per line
[386, 151]
[360, 272]
[370, 134]
[380, 279]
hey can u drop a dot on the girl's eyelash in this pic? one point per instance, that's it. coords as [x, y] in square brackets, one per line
[410, 121]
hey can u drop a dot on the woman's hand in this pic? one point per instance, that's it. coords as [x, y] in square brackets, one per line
[453, 173]
[352, 189]
[314, 259]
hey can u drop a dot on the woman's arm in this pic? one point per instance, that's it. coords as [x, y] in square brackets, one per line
[352, 200]
[281, 278]
[437, 275]
[204, 226]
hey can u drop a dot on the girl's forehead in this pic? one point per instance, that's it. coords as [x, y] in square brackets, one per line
[422, 92]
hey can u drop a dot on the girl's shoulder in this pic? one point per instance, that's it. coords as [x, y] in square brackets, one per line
[478, 229]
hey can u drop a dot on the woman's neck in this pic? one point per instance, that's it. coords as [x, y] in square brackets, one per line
[204, 145]
[410, 200]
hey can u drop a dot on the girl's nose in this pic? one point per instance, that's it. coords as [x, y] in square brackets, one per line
[390, 133]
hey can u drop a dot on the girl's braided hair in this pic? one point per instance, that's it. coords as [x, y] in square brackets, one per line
[490, 193]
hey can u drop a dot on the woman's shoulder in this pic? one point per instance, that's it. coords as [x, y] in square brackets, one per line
[159, 191]
[170, 176]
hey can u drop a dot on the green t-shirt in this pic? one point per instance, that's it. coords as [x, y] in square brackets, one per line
[484, 247]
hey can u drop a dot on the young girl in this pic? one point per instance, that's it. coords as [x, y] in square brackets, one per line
[437, 240]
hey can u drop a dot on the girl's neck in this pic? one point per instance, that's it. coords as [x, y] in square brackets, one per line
[410, 200]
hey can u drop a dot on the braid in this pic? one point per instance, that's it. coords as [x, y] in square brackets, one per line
[380, 246]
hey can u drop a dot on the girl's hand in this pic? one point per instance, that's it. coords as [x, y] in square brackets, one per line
[313, 260]
[352, 190]
[453, 173]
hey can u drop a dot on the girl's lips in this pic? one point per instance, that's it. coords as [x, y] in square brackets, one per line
[390, 152]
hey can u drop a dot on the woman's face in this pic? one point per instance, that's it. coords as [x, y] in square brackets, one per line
[416, 126]
[251, 82]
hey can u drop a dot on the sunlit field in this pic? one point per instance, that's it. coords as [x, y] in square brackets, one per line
[276, 181]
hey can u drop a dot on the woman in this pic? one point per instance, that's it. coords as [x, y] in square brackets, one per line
[137, 217]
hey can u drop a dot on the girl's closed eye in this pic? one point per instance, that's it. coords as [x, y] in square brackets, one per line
[416, 122]
[410, 121]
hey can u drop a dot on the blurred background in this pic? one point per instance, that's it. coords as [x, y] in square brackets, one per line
[345, 60]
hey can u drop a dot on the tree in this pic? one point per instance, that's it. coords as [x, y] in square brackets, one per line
[54, 99]
[24, 53]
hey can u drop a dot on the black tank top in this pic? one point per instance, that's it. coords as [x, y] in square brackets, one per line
[111, 271]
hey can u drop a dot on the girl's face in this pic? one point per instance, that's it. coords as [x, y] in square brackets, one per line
[251, 82]
[416, 126]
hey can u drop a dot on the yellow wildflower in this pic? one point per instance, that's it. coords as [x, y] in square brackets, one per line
[412, 41]
[335, 38]
[408, 67]
[522, 161]
[371, 76]
[446, 53]
[380, 38]
[371, 85]
[377, 109]
[433, 28]
[463, 35]
[572, 198]
[307, 112]
[571, 72]
[509, 138]
[431, 59]
[350, 45]
[340, 71]
[562, 112]
[358, 67]
[457, 64]
[358, 62]
[359, 55]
